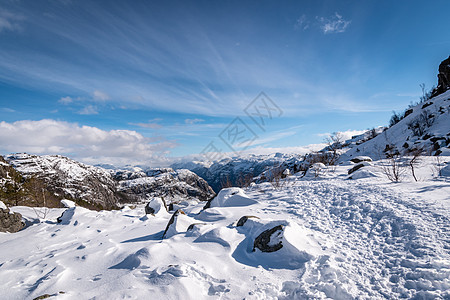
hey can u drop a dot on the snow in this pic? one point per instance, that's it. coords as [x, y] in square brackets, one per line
[67, 203]
[2, 205]
[231, 197]
[342, 239]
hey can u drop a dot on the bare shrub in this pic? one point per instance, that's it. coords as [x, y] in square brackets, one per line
[244, 180]
[419, 124]
[416, 154]
[392, 166]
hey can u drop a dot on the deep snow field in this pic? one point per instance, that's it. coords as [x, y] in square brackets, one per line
[363, 238]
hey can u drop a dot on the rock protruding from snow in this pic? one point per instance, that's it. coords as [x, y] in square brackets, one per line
[10, 222]
[156, 206]
[359, 159]
[270, 240]
[230, 197]
[276, 244]
[359, 166]
[66, 216]
[179, 222]
[244, 219]
[443, 77]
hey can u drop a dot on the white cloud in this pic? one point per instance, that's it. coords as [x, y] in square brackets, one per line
[88, 144]
[65, 100]
[193, 121]
[334, 24]
[89, 110]
[100, 96]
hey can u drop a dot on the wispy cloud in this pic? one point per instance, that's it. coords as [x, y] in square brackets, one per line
[193, 121]
[88, 144]
[88, 110]
[302, 23]
[100, 96]
[148, 125]
[65, 100]
[7, 109]
[333, 24]
[9, 21]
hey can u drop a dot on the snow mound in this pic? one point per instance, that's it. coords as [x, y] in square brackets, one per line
[445, 171]
[362, 173]
[359, 159]
[132, 261]
[231, 197]
[67, 203]
[276, 244]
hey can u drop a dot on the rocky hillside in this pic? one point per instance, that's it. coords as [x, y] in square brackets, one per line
[44, 180]
[65, 178]
[173, 186]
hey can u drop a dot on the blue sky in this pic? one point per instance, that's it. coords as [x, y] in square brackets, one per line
[137, 81]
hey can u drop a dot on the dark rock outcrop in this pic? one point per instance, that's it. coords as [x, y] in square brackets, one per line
[166, 183]
[244, 219]
[443, 78]
[355, 168]
[172, 221]
[10, 222]
[263, 241]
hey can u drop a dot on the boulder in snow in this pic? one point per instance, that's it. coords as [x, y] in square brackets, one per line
[270, 240]
[244, 219]
[10, 222]
[359, 159]
[358, 166]
[178, 223]
[156, 206]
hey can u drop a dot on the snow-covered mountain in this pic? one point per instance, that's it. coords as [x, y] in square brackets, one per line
[95, 187]
[173, 186]
[67, 178]
[238, 171]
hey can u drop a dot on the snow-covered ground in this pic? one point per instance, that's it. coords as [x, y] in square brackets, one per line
[342, 238]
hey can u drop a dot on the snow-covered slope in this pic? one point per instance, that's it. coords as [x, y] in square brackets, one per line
[426, 127]
[321, 237]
